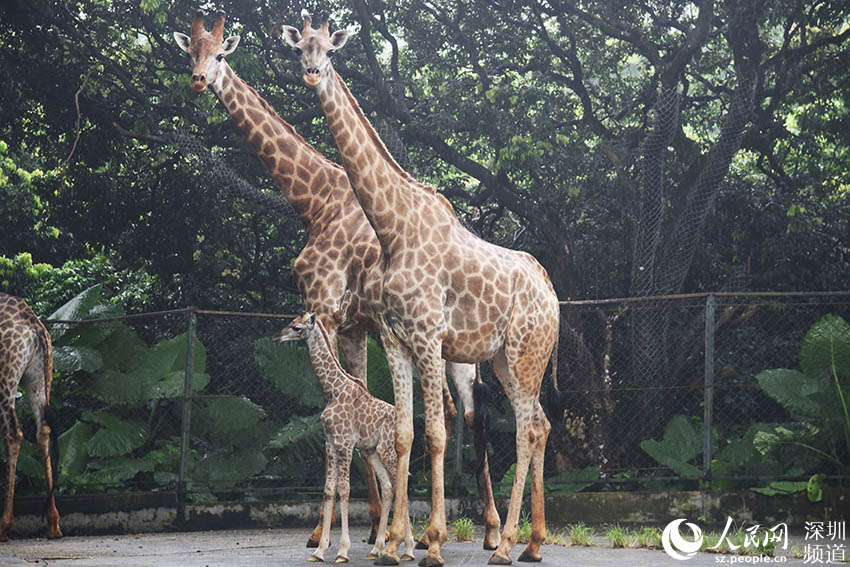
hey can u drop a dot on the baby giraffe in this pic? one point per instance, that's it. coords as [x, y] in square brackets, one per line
[352, 418]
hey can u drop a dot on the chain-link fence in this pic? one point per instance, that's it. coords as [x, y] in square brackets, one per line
[681, 389]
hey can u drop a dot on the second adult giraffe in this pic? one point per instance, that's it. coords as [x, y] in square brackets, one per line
[446, 294]
[342, 251]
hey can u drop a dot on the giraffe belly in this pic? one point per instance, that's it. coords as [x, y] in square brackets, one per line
[472, 346]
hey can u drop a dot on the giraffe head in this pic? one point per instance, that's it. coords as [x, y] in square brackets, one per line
[315, 47]
[298, 330]
[207, 48]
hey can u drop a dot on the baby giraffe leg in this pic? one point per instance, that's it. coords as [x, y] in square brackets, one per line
[344, 489]
[327, 503]
[386, 503]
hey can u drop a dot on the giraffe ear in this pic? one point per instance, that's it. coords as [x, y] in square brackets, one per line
[339, 38]
[291, 35]
[229, 44]
[182, 40]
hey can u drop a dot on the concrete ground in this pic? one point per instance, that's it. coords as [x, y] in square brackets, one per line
[264, 547]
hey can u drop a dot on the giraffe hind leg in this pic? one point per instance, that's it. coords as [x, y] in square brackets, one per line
[12, 438]
[47, 440]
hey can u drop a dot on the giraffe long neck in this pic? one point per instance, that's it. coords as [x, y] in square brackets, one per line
[381, 185]
[305, 177]
[332, 376]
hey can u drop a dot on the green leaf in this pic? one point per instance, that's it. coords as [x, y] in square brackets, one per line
[288, 366]
[70, 359]
[827, 342]
[781, 487]
[72, 449]
[299, 440]
[682, 442]
[115, 437]
[222, 417]
[118, 470]
[793, 390]
[29, 461]
[571, 481]
[378, 375]
[224, 470]
[79, 306]
[814, 487]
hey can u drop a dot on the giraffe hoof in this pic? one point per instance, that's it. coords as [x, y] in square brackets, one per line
[498, 559]
[492, 540]
[407, 557]
[386, 560]
[371, 557]
[431, 561]
[530, 557]
[421, 544]
[341, 559]
[312, 542]
[372, 537]
[54, 535]
[315, 559]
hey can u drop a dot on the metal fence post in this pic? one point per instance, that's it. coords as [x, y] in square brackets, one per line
[187, 414]
[708, 417]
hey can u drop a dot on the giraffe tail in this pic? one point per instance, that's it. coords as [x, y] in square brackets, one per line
[50, 418]
[481, 420]
[556, 401]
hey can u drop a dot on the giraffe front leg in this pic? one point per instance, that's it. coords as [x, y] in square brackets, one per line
[449, 416]
[538, 518]
[13, 439]
[401, 368]
[432, 372]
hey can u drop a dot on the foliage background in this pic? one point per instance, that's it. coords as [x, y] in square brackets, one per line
[532, 116]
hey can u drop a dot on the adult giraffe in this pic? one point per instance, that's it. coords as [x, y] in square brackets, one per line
[342, 251]
[446, 294]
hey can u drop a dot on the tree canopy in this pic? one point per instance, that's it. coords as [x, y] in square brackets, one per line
[634, 148]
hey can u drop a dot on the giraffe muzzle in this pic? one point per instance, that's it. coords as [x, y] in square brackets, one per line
[198, 83]
[312, 76]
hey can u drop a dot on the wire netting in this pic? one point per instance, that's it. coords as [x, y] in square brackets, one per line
[251, 424]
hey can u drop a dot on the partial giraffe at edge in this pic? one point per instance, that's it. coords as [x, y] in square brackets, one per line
[26, 358]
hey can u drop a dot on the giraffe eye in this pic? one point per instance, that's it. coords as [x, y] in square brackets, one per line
[219, 57]
[331, 53]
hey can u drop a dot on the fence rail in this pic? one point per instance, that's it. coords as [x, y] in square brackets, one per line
[686, 390]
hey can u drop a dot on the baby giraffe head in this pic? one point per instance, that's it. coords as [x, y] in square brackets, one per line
[314, 47]
[298, 329]
[207, 48]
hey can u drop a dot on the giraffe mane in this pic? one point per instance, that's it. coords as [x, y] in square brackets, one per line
[283, 123]
[376, 139]
[326, 340]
